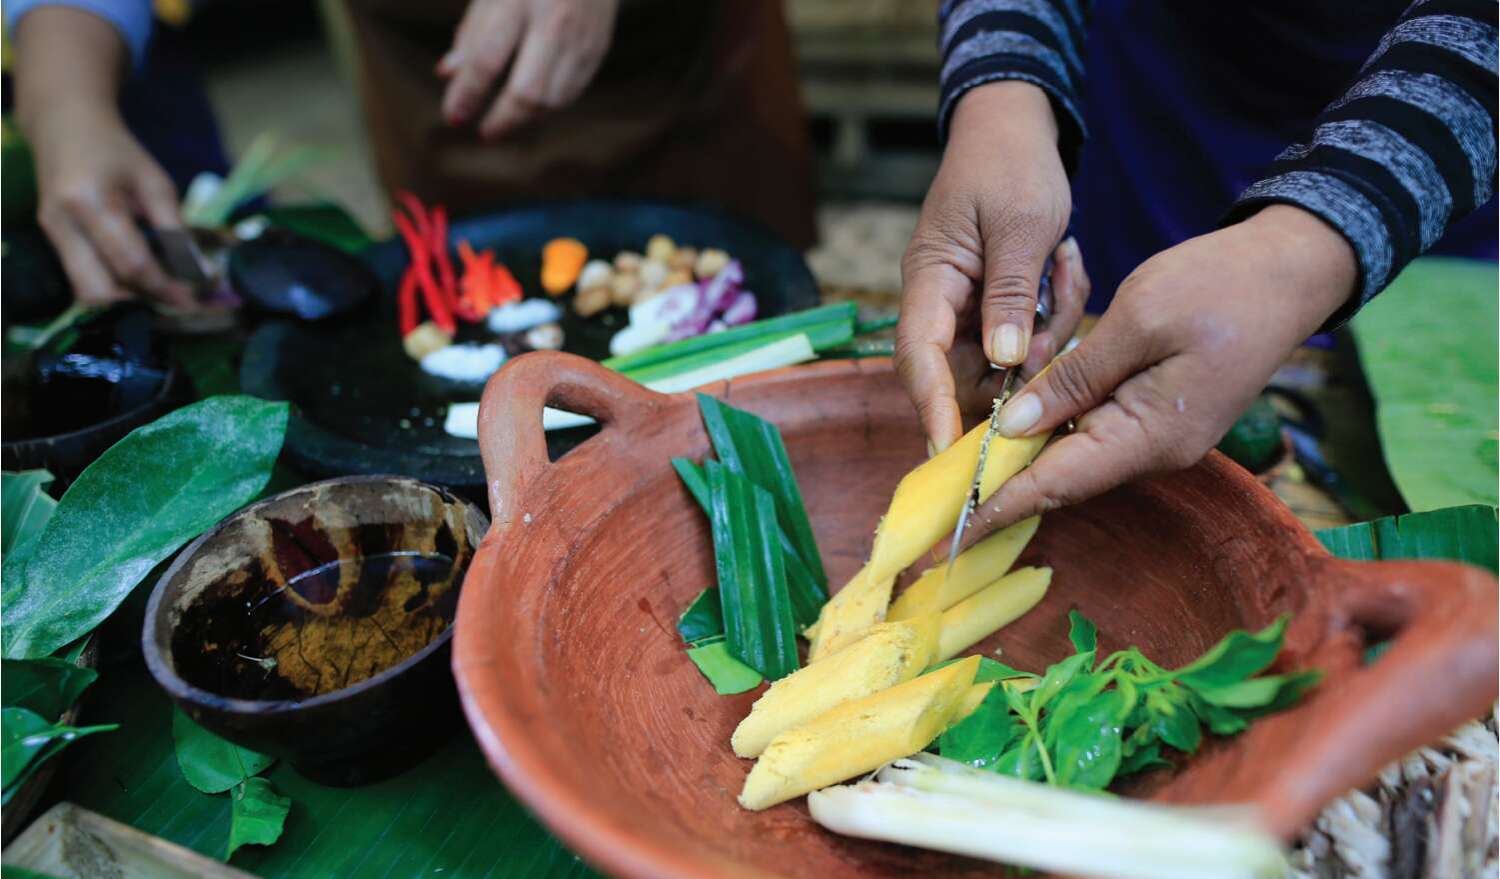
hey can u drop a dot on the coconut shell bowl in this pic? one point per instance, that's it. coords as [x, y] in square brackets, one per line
[576, 685]
[316, 625]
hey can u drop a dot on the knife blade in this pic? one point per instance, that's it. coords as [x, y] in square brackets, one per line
[1007, 387]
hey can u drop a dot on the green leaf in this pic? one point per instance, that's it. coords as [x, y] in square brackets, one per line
[1141, 759]
[1238, 656]
[8, 871]
[1172, 718]
[981, 738]
[212, 362]
[751, 447]
[48, 686]
[758, 625]
[807, 596]
[27, 740]
[1023, 759]
[993, 670]
[1460, 534]
[1270, 693]
[1428, 348]
[727, 674]
[1059, 675]
[1221, 721]
[322, 221]
[209, 763]
[257, 815]
[154, 490]
[1083, 633]
[25, 507]
[703, 618]
[1085, 740]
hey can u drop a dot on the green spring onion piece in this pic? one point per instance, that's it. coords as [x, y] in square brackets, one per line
[823, 336]
[761, 330]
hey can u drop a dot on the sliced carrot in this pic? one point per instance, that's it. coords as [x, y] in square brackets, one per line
[562, 262]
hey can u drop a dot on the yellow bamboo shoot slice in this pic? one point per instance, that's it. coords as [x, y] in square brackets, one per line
[859, 736]
[986, 611]
[884, 656]
[975, 568]
[971, 700]
[928, 500]
[858, 606]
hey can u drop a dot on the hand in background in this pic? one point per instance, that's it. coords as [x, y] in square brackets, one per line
[552, 49]
[1191, 338]
[94, 180]
[995, 212]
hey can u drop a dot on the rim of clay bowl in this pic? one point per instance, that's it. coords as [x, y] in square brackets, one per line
[165, 672]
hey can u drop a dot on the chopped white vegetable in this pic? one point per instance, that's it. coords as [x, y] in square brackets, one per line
[637, 336]
[934, 803]
[669, 306]
[462, 420]
[595, 272]
[464, 363]
[518, 317]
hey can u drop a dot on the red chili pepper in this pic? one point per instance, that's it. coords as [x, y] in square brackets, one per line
[406, 301]
[466, 310]
[418, 213]
[505, 288]
[436, 306]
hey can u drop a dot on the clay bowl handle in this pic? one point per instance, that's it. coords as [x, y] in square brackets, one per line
[1439, 672]
[511, 439]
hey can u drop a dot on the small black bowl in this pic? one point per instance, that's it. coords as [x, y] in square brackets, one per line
[283, 628]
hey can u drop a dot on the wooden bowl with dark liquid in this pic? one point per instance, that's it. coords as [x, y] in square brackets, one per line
[315, 625]
[589, 710]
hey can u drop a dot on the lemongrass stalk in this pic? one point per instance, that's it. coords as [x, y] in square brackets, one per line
[1028, 824]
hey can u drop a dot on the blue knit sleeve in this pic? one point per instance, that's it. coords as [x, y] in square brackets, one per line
[131, 18]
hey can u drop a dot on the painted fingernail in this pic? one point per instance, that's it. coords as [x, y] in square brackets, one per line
[1019, 415]
[1008, 348]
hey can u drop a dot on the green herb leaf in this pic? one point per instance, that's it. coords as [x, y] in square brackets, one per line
[1271, 693]
[758, 626]
[1087, 749]
[751, 447]
[703, 619]
[1083, 633]
[981, 738]
[727, 674]
[209, 763]
[1023, 759]
[1059, 675]
[1221, 721]
[48, 686]
[1238, 656]
[25, 507]
[27, 740]
[256, 815]
[807, 596]
[148, 494]
[1142, 759]
[1172, 718]
[993, 670]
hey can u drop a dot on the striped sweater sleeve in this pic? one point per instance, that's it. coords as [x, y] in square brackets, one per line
[1408, 150]
[1035, 41]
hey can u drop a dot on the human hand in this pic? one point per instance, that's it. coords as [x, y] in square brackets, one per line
[1191, 338]
[994, 213]
[552, 47]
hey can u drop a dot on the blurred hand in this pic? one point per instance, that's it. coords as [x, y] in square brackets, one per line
[1191, 338]
[552, 48]
[995, 212]
[93, 179]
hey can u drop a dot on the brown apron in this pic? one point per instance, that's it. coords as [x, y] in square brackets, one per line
[697, 100]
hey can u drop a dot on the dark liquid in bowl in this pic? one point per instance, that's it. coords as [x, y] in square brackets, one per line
[327, 628]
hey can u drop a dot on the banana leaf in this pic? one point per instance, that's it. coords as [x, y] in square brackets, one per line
[448, 816]
[24, 508]
[1428, 349]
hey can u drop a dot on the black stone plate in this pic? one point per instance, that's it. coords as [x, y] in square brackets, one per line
[361, 406]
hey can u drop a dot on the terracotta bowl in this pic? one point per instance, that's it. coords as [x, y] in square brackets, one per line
[575, 682]
[315, 625]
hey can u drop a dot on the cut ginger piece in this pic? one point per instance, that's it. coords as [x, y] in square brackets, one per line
[990, 609]
[929, 499]
[975, 568]
[859, 736]
[858, 606]
[881, 657]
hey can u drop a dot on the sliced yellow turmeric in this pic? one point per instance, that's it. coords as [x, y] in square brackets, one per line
[975, 568]
[858, 736]
[883, 656]
[928, 500]
[986, 611]
[562, 261]
[972, 698]
[853, 609]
